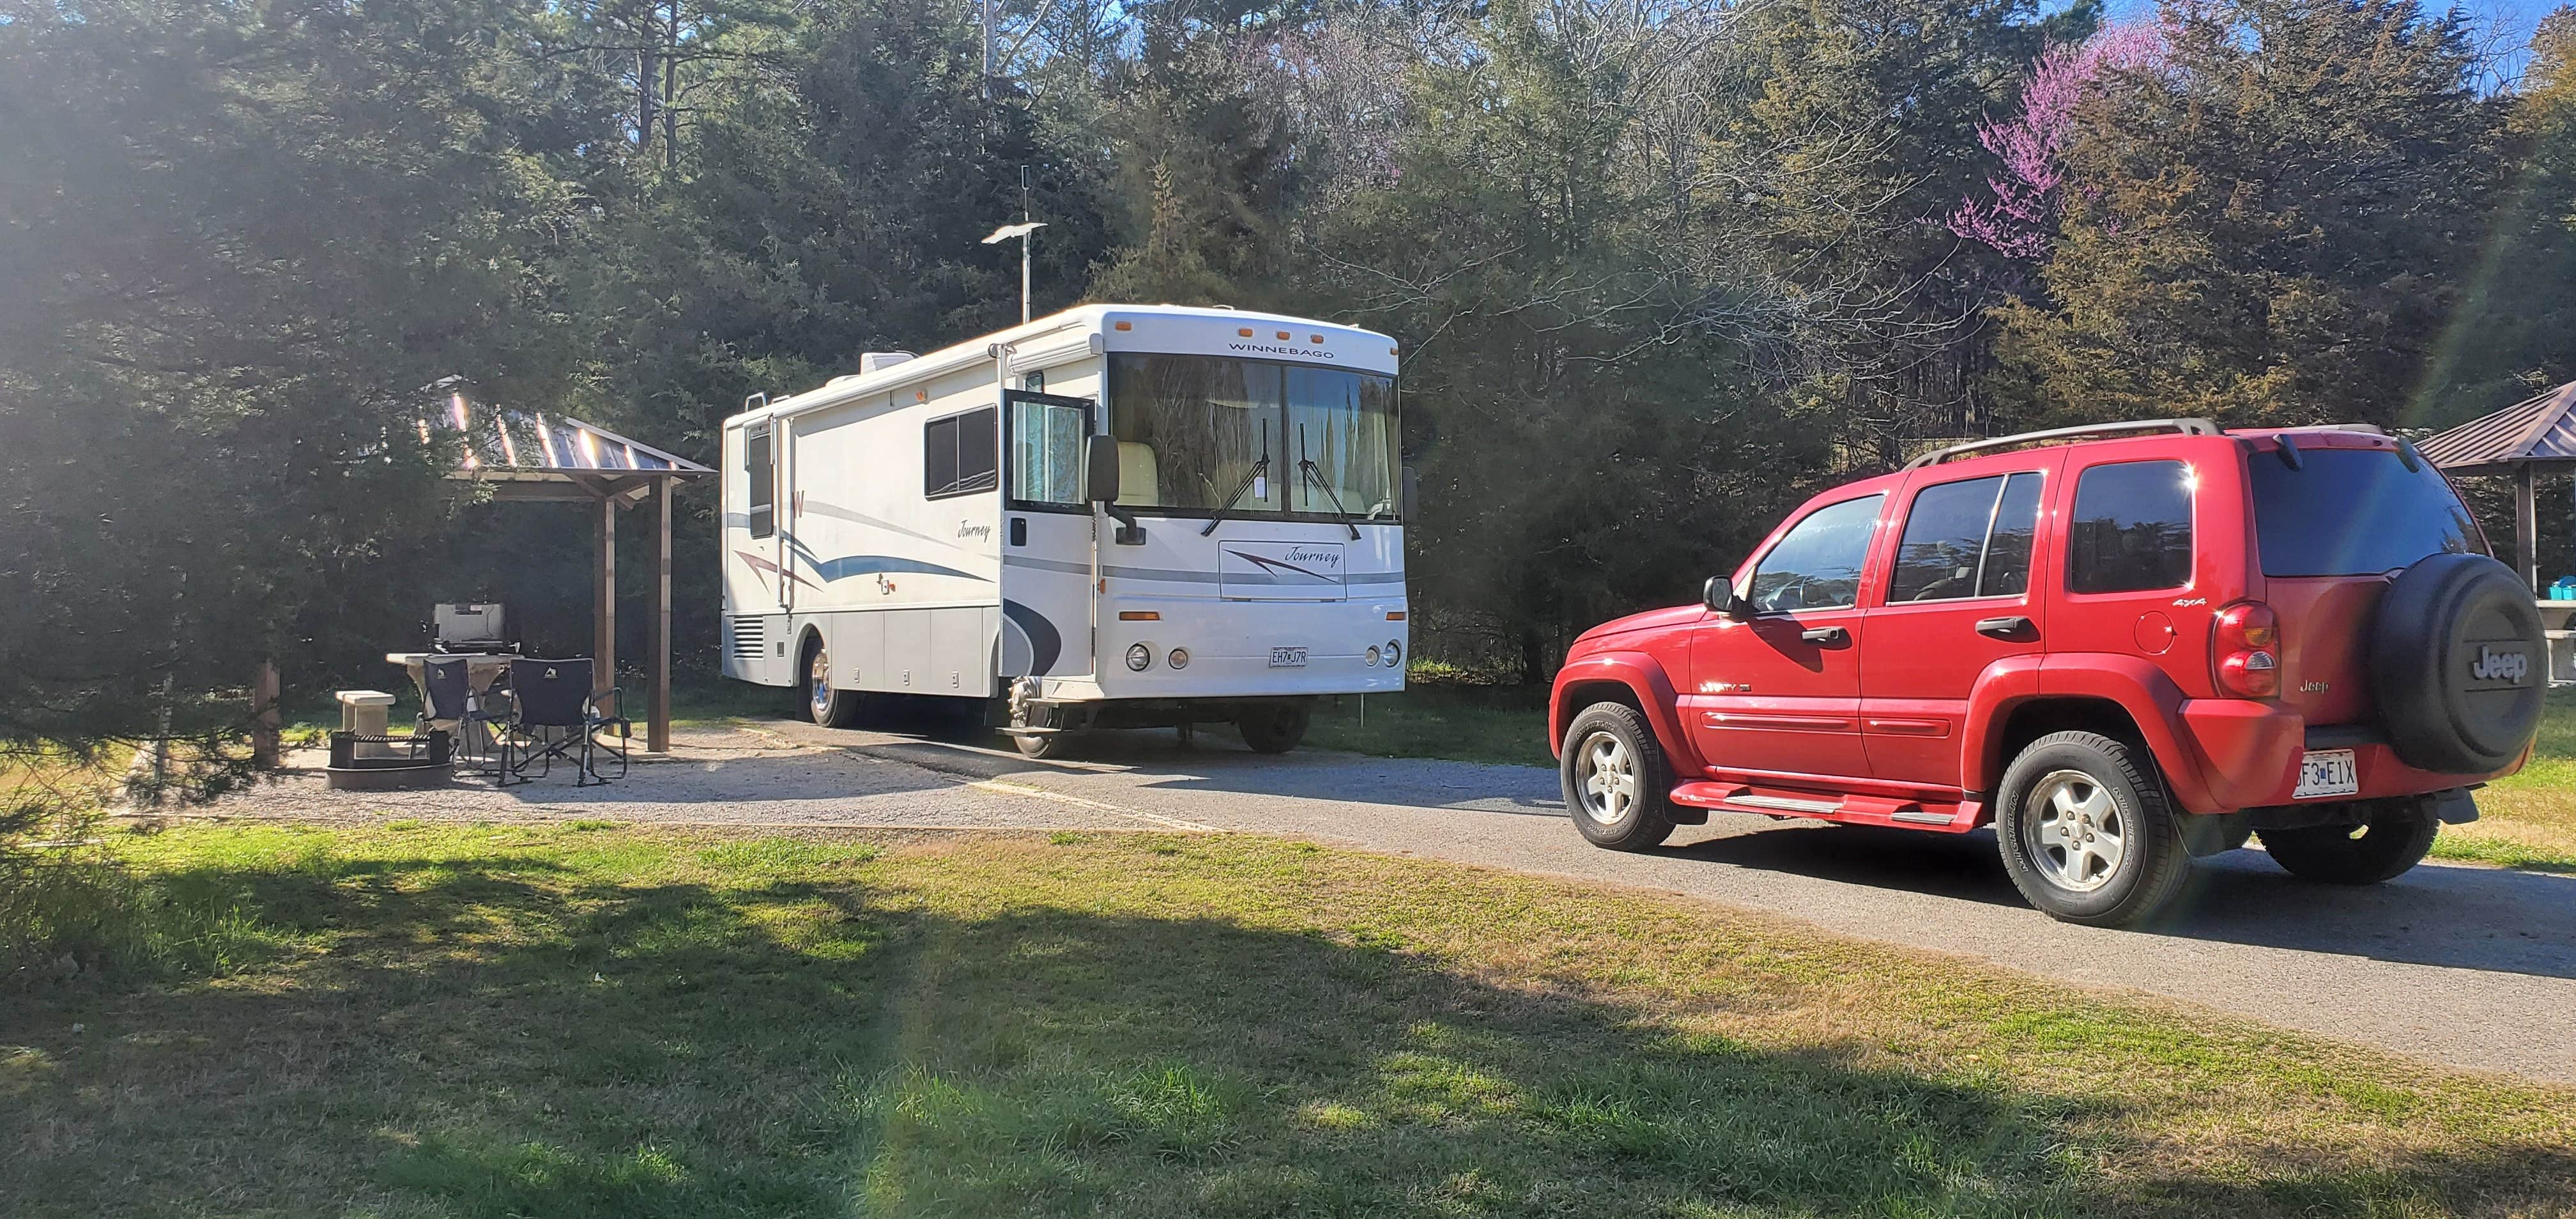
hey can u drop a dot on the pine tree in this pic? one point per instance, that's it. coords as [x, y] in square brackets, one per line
[2515, 332]
[2265, 225]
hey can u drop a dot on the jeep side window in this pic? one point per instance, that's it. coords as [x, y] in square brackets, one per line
[1967, 539]
[2007, 568]
[1817, 563]
[2131, 528]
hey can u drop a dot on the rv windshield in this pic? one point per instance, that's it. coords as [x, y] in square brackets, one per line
[1194, 432]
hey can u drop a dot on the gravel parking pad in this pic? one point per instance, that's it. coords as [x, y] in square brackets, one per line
[714, 776]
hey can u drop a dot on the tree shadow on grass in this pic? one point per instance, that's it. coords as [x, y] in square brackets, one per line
[500, 1037]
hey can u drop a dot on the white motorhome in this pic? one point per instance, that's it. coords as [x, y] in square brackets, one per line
[1117, 516]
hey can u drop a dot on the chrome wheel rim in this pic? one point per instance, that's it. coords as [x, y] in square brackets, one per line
[2073, 832]
[820, 675]
[1605, 779]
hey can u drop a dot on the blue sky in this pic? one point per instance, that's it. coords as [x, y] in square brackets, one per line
[2511, 20]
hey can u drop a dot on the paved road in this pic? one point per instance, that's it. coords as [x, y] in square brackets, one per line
[2468, 966]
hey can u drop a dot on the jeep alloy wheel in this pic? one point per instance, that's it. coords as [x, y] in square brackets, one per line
[2076, 833]
[1606, 779]
[1615, 780]
[2084, 829]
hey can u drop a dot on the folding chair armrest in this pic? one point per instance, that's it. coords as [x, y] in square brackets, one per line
[615, 695]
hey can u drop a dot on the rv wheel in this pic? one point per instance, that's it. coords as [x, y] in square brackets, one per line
[1046, 745]
[1273, 729]
[830, 707]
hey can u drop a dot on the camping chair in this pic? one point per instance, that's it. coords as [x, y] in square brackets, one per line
[553, 712]
[448, 697]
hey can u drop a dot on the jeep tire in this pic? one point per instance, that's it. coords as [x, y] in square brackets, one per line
[1617, 783]
[2458, 665]
[2393, 839]
[2086, 833]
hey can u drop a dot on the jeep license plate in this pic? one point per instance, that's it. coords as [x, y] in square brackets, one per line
[1290, 658]
[2326, 772]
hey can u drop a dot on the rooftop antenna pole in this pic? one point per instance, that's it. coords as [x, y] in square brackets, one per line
[1027, 230]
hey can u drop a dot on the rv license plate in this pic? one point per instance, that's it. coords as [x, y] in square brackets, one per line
[2326, 772]
[1287, 658]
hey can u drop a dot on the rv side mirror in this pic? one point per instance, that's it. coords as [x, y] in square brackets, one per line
[1412, 494]
[1100, 469]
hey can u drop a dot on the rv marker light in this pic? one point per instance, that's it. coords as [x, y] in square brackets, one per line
[1180, 658]
[1140, 657]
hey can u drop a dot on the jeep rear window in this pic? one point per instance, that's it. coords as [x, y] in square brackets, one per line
[2352, 512]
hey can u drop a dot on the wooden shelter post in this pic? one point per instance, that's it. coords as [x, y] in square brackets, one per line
[603, 620]
[2526, 523]
[657, 728]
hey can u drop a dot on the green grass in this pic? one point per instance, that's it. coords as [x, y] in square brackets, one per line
[2528, 820]
[569, 1021]
[1462, 722]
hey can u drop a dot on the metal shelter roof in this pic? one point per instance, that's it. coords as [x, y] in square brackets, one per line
[533, 455]
[2540, 431]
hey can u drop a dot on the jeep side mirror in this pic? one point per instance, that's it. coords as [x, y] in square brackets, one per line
[1100, 469]
[1719, 595]
[1412, 494]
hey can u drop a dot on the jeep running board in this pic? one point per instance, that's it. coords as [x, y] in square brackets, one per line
[1953, 817]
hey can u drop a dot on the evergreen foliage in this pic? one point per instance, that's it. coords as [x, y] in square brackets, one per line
[1658, 270]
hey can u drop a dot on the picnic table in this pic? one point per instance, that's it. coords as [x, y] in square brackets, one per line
[482, 670]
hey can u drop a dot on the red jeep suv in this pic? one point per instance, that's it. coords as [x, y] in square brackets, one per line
[2123, 645]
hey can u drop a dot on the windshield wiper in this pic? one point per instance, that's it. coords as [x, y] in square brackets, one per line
[1256, 473]
[1315, 474]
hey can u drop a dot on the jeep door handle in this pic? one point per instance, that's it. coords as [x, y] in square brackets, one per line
[2011, 626]
[1824, 634]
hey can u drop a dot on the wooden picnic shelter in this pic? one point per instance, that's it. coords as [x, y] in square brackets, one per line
[2523, 440]
[533, 456]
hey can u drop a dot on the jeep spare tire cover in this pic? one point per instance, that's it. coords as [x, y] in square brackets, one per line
[2458, 664]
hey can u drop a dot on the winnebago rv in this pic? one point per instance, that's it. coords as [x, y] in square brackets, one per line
[1118, 516]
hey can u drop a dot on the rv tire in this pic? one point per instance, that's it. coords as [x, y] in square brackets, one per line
[1274, 729]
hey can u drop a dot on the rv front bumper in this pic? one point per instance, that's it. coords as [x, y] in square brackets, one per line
[1202, 648]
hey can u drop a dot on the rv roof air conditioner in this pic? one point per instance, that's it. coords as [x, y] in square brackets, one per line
[872, 362]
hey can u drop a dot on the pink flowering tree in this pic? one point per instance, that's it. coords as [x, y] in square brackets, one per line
[2032, 144]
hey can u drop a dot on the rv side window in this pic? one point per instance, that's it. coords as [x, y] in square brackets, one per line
[961, 454]
[763, 478]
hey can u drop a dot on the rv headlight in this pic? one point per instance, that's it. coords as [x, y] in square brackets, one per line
[1372, 656]
[1394, 654]
[1140, 657]
[1180, 658]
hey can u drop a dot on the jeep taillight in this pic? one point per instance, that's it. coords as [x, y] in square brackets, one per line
[2247, 647]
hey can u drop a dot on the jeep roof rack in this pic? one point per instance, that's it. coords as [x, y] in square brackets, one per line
[2188, 427]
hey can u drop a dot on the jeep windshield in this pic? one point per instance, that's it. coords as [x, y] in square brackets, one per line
[2353, 512]
[1209, 434]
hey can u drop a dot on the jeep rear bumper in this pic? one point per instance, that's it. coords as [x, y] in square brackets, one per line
[2247, 755]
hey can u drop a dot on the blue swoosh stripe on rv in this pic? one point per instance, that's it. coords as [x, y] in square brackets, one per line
[874, 564]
